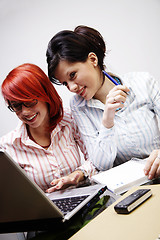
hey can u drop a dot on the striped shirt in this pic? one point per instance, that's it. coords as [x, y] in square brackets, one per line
[60, 159]
[135, 132]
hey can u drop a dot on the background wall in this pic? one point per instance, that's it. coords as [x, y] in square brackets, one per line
[129, 27]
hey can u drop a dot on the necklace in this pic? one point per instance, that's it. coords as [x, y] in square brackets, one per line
[31, 137]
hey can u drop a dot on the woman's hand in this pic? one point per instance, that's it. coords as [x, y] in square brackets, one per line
[152, 167]
[114, 100]
[64, 182]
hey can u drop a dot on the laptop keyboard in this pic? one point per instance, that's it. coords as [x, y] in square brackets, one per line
[68, 204]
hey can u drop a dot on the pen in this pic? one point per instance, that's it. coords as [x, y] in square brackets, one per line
[107, 75]
[112, 79]
[116, 83]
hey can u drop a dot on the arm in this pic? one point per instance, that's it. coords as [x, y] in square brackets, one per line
[87, 165]
[82, 169]
[100, 143]
[97, 127]
[152, 167]
[72, 179]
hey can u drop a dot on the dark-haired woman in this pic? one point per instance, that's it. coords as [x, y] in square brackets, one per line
[117, 116]
[45, 143]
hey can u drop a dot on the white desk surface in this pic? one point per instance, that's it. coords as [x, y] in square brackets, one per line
[141, 224]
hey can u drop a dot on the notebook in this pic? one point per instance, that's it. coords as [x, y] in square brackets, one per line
[22, 199]
[121, 178]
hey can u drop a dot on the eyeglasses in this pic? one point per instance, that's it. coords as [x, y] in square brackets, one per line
[17, 106]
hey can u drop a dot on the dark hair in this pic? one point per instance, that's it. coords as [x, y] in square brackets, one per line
[27, 82]
[74, 46]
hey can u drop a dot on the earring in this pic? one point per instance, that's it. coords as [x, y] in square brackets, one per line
[95, 63]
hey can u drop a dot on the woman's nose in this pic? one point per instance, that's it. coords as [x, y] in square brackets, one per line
[25, 109]
[73, 87]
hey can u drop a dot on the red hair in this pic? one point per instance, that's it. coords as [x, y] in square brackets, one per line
[27, 82]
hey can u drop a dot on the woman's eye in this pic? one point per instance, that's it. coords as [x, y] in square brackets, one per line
[72, 75]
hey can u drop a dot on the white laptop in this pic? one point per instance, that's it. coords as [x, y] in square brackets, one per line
[23, 200]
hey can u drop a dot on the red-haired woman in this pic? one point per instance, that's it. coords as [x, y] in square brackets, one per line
[45, 143]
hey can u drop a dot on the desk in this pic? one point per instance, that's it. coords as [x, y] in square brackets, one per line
[142, 223]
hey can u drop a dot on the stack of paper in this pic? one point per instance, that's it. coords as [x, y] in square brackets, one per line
[121, 178]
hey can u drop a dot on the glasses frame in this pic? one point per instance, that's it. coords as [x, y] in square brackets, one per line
[26, 104]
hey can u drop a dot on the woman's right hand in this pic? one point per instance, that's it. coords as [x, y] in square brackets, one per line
[152, 167]
[61, 183]
[114, 100]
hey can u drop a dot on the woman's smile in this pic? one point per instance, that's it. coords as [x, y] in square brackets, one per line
[36, 116]
[31, 118]
[82, 91]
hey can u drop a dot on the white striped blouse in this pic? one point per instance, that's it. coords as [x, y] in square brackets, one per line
[60, 159]
[135, 132]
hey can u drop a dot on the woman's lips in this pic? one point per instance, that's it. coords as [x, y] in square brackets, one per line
[82, 91]
[31, 118]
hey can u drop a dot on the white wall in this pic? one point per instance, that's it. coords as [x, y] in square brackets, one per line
[130, 28]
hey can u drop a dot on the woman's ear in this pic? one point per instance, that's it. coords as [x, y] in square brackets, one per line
[92, 57]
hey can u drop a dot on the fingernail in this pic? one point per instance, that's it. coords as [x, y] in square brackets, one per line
[150, 176]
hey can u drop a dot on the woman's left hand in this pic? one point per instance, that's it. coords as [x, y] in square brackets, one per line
[152, 167]
[114, 100]
[64, 182]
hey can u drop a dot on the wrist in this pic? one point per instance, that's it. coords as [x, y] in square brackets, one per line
[107, 124]
[84, 174]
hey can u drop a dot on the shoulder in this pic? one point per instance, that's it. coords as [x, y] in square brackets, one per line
[132, 77]
[138, 80]
[67, 117]
[68, 122]
[10, 137]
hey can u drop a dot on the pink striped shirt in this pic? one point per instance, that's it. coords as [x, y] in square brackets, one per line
[60, 159]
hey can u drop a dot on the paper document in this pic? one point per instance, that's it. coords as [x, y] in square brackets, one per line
[121, 178]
